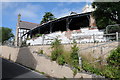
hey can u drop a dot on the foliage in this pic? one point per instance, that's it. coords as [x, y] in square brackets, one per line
[74, 72]
[74, 55]
[56, 44]
[64, 78]
[106, 13]
[114, 58]
[67, 57]
[55, 54]
[47, 17]
[57, 49]
[5, 34]
[114, 29]
[40, 51]
[111, 70]
[61, 60]
[38, 35]
[88, 67]
[28, 38]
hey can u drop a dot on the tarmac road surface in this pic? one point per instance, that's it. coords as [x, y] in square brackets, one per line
[13, 71]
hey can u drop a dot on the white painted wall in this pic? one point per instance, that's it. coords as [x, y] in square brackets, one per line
[21, 32]
[85, 35]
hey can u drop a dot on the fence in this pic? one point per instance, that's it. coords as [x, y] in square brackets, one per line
[94, 38]
[97, 38]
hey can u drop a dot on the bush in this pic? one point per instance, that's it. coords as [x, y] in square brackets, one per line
[38, 35]
[114, 58]
[61, 60]
[55, 54]
[74, 72]
[111, 70]
[113, 67]
[88, 67]
[40, 51]
[57, 49]
[67, 57]
[74, 55]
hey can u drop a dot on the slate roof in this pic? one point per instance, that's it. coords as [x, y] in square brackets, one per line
[27, 25]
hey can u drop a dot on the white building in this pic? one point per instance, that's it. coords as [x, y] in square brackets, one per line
[21, 28]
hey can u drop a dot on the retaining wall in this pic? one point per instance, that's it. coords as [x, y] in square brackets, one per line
[27, 57]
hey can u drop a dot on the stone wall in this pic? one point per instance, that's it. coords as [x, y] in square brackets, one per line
[27, 56]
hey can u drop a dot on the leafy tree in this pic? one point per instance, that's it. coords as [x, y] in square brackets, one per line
[5, 34]
[106, 13]
[47, 17]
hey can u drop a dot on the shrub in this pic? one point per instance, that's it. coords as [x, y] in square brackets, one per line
[56, 44]
[40, 51]
[74, 72]
[61, 60]
[67, 57]
[57, 49]
[113, 67]
[38, 35]
[55, 53]
[88, 67]
[111, 70]
[74, 55]
[114, 58]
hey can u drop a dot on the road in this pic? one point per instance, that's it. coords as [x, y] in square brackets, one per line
[13, 71]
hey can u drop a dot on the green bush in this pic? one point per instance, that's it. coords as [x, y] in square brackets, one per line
[55, 54]
[113, 67]
[88, 67]
[114, 58]
[61, 60]
[40, 51]
[38, 35]
[74, 72]
[74, 55]
[57, 49]
[56, 44]
[111, 70]
[67, 57]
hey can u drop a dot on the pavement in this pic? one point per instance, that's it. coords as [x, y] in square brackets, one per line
[14, 71]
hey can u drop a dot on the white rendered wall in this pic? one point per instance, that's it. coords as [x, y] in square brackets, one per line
[85, 35]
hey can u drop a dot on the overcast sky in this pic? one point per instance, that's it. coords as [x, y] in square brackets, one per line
[34, 11]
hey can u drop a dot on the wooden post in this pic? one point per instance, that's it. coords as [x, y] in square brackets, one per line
[43, 36]
[50, 27]
[80, 61]
[94, 38]
[116, 36]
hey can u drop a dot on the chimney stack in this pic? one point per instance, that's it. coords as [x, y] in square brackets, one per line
[19, 16]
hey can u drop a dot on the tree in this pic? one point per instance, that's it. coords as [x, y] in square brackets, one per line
[106, 13]
[47, 17]
[5, 34]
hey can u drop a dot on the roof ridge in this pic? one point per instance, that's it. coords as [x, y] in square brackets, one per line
[30, 22]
